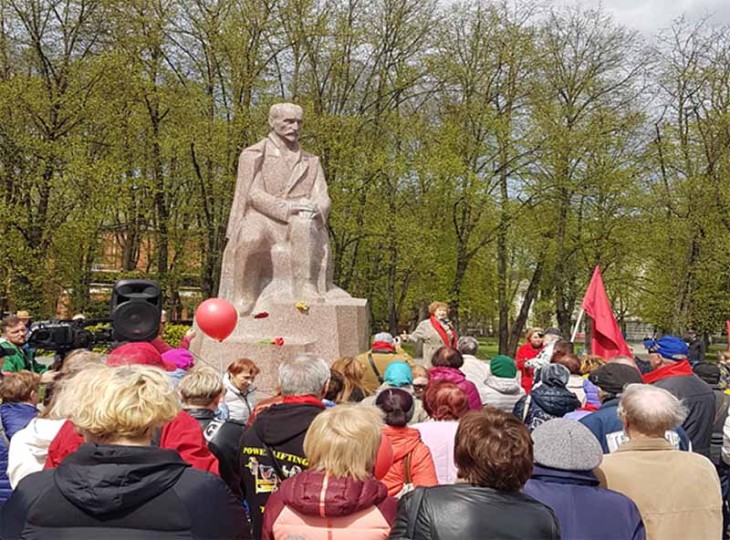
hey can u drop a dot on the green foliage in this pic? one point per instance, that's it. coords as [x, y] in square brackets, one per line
[174, 333]
[482, 153]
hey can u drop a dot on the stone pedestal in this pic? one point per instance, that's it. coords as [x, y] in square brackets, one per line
[332, 329]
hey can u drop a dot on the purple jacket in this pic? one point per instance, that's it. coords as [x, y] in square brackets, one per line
[455, 376]
[591, 391]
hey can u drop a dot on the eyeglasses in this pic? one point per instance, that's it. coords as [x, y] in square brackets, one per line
[419, 386]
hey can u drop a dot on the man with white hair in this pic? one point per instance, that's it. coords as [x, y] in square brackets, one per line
[474, 369]
[273, 447]
[677, 493]
[384, 351]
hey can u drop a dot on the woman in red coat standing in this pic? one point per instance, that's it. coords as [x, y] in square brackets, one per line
[529, 350]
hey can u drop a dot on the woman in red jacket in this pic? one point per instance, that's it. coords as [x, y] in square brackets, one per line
[412, 462]
[529, 350]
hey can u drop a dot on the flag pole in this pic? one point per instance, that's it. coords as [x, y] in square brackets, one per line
[577, 325]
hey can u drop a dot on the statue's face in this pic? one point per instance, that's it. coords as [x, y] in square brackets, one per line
[287, 124]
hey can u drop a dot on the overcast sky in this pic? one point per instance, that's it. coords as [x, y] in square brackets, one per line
[649, 16]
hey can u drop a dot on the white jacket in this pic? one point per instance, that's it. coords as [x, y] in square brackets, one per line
[476, 371]
[575, 385]
[440, 437]
[543, 358]
[502, 393]
[29, 448]
[239, 405]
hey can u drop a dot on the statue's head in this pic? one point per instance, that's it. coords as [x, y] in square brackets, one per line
[285, 119]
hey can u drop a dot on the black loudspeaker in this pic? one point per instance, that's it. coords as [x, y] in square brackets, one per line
[136, 310]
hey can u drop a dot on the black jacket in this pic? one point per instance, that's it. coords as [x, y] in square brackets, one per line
[696, 352]
[545, 403]
[115, 492]
[225, 440]
[699, 399]
[464, 512]
[282, 427]
[722, 406]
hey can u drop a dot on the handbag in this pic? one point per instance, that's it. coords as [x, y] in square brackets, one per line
[408, 484]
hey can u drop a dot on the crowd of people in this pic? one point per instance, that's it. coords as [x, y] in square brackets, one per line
[150, 442]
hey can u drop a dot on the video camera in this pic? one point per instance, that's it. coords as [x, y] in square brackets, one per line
[62, 336]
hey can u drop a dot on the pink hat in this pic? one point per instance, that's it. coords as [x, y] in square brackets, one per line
[180, 358]
[138, 353]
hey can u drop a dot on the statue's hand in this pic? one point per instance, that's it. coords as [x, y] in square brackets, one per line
[304, 208]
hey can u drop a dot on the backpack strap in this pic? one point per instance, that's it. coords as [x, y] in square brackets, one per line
[375, 368]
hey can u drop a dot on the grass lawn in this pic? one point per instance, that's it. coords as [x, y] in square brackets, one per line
[488, 347]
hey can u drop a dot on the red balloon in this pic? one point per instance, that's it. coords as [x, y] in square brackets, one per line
[217, 318]
[384, 460]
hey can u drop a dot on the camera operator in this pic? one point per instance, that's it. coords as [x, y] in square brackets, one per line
[13, 338]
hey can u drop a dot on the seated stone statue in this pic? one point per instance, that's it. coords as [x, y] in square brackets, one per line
[278, 244]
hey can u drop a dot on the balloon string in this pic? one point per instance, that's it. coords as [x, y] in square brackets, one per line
[218, 368]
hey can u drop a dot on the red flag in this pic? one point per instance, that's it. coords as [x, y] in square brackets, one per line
[606, 340]
[727, 323]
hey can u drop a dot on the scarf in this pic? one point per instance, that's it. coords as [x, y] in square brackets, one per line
[443, 334]
[383, 346]
[679, 369]
[304, 400]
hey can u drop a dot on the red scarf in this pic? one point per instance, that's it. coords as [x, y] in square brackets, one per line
[678, 369]
[444, 335]
[304, 400]
[382, 346]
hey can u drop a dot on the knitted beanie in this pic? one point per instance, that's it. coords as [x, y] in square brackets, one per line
[503, 366]
[566, 445]
[398, 374]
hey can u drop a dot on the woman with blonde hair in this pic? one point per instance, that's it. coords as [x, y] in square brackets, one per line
[352, 373]
[338, 497]
[117, 484]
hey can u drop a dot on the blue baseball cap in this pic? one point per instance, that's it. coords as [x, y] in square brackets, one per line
[669, 347]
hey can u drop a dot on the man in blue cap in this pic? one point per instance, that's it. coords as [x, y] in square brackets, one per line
[672, 371]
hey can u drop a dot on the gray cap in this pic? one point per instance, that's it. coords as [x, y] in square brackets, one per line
[566, 445]
[383, 336]
[553, 332]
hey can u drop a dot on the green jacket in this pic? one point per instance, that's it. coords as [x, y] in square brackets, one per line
[21, 360]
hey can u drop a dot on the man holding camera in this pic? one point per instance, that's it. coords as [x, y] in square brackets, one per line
[17, 358]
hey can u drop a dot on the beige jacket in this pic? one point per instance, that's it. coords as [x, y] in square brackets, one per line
[381, 360]
[677, 493]
[431, 340]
